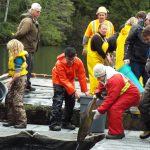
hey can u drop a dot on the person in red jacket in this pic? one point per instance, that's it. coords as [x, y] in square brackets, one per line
[121, 95]
[67, 68]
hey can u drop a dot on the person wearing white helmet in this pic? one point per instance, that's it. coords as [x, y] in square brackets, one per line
[93, 28]
[121, 95]
[28, 34]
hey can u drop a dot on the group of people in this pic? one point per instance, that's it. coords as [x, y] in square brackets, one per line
[21, 50]
[99, 41]
[121, 92]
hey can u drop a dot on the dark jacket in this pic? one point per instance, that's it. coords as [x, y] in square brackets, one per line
[144, 105]
[135, 48]
[96, 44]
[28, 32]
[112, 40]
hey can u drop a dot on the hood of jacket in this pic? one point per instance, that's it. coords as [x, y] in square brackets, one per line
[25, 15]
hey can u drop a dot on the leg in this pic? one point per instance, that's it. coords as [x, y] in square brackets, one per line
[145, 111]
[29, 60]
[68, 111]
[9, 108]
[19, 111]
[91, 62]
[136, 68]
[55, 118]
[115, 113]
[144, 75]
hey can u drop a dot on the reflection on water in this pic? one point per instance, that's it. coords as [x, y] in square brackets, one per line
[44, 59]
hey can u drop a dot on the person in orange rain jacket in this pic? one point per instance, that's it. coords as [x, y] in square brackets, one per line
[121, 95]
[67, 67]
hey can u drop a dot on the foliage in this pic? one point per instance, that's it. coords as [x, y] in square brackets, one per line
[56, 21]
[5, 31]
[65, 21]
[121, 12]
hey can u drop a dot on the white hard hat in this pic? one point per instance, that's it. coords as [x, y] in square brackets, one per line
[102, 9]
[99, 70]
[36, 6]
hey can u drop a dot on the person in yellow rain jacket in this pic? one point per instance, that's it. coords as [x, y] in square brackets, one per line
[97, 54]
[93, 28]
[121, 41]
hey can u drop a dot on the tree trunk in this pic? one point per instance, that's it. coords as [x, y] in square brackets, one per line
[6, 12]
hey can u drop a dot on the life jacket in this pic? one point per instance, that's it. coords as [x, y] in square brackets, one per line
[95, 26]
[126, 86]
[11, 64]
[105, 44]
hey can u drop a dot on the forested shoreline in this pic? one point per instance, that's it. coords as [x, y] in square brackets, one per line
[63, 22]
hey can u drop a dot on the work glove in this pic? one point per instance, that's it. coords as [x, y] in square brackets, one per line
[84, 51]
[96, 114]
[127, 61]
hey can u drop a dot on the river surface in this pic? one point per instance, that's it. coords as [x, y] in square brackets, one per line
[44, 59]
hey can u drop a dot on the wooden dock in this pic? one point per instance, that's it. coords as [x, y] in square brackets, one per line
[37, 135]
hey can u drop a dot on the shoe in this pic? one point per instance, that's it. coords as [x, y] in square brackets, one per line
[55, 128]
[8, 124]
[117, 136]
[68, 126]
[30, 88]
[20, 126]
[145, 135]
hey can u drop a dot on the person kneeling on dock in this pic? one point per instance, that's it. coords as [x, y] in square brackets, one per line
[67, 67]
[121, 95]
[17, 65]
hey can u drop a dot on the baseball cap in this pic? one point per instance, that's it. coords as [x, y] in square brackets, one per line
[99, 70]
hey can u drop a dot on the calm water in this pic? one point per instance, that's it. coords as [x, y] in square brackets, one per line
[44, 59]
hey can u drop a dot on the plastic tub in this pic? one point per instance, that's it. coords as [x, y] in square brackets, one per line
[98, 125]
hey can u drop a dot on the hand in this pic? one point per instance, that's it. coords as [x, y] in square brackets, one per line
[87, 93]
[127, 61]
[77, 96]
[97, 114]
[109, 59]
[84, 51]
[147, 66]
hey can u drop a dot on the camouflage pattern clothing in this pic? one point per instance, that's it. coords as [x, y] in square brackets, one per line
[14, 102]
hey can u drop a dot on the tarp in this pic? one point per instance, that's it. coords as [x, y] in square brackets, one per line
[44, 140]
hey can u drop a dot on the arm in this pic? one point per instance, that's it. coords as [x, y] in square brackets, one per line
[82, 76]
[96, 45]
[64, 79]
[87, 35]
[114, 86]
[24, 28]
[18, 63]
[130, 42]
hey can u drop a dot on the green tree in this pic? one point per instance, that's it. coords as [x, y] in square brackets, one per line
[56, 21]
[121, 11]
